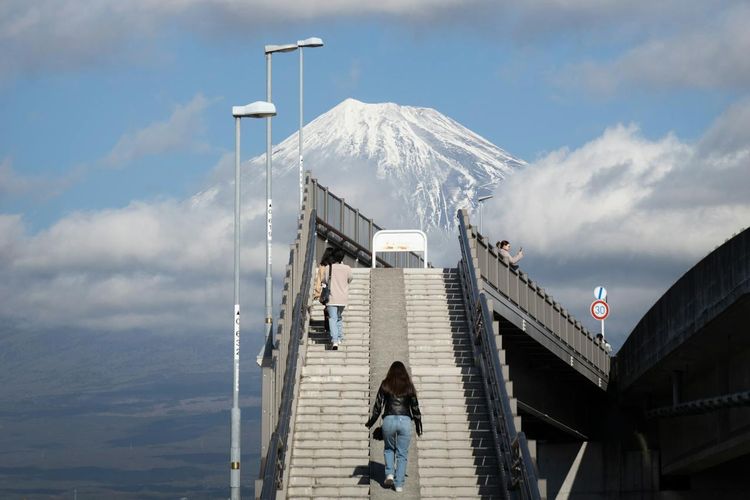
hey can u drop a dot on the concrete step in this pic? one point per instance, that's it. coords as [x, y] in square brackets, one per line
[327, 426]
[420, 371]
[363, 445]
[459, 475]
[331, 435]
[318, 452]
[338, 380]
[446, 462]
[490, 491]
[311, 462]
[330, 393]
[322, 411]
[306, 401]
[359, 491]
[335, 370]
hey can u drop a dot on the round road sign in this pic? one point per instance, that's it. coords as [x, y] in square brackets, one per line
[599, 309]
[600, 293]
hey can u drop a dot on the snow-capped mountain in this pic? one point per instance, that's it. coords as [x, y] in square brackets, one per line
[415, 161]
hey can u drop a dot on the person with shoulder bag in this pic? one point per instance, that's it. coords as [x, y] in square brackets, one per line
[339, 277]
[321, 281]
[397, 400]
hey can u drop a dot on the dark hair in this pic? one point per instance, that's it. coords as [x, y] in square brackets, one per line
[338, 255]
[327, 256]
[501, 244]
[397, 382]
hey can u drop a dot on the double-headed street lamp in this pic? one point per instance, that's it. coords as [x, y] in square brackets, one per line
[310, 42]
[270, 50]
[480, 202]
[258, 109]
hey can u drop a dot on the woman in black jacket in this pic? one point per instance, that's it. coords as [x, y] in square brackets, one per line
[397, 399]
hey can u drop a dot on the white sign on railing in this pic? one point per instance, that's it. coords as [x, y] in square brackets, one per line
[399, 240]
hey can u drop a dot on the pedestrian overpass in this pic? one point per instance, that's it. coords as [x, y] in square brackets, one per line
[507, 377]
[519, 400]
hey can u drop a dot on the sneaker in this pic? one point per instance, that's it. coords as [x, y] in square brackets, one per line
[399, 489]
[388, 481]
[335, 346]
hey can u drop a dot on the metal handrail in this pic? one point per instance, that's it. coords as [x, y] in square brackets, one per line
[339, 227]
[517, 469]
[542, 309]
[273, 470]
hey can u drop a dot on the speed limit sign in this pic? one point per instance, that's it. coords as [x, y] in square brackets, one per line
[599, 309]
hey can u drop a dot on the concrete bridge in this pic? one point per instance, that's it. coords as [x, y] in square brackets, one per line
[519, 399]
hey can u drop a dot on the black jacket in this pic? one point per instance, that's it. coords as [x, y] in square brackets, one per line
[389, 404]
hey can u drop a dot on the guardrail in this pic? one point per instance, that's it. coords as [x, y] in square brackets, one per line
[517, 469]
[285, 364]
[548, 315]
[347, 222]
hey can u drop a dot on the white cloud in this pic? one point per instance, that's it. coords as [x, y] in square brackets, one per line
[622, 210]
[163, 266]
[712, 54]
[178, 132]
[15, 184]
[626, 210]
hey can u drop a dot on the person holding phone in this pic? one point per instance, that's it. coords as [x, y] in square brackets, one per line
[503, 249]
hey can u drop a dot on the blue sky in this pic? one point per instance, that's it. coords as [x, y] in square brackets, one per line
[109, 105]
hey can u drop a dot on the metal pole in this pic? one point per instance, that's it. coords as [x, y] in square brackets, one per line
[234, 460]
[481, 211]
[269, 208]
[301, 121]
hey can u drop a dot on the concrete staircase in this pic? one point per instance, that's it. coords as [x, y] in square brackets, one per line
[456, 452]
[330, 445]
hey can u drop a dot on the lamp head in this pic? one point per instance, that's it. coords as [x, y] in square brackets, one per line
[257, 109]
[485, 198]
[310, 42]
[287, 47]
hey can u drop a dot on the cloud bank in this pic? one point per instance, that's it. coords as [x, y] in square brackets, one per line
[627, 210]
[709, 55]
[623, 210]
[687, 43]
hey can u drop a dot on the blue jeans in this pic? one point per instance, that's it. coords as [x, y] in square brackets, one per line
[396, 439]
[336, 323]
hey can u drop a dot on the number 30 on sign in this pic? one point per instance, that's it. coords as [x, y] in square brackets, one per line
[599, 309]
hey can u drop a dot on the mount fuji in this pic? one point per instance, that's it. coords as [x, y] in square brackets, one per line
[401, 165]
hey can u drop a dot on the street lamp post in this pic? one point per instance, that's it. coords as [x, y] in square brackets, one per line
[481, 201]
[310, 42]
[269, 50]
[258, 109]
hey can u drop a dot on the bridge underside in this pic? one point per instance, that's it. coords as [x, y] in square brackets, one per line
[701, 391]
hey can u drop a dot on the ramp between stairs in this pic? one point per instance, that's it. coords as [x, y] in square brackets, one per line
[388, 343]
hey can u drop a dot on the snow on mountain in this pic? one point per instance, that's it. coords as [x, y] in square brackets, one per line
[413, 161]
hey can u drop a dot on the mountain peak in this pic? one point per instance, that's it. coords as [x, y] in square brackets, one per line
[427, 160]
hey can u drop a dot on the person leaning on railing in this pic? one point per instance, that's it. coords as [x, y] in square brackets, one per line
[503, 249]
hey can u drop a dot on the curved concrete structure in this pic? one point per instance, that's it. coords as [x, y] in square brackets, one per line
[715, 289]
[684, 374]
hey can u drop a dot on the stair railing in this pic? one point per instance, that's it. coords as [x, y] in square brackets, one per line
[282, 354]
[517, 470]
